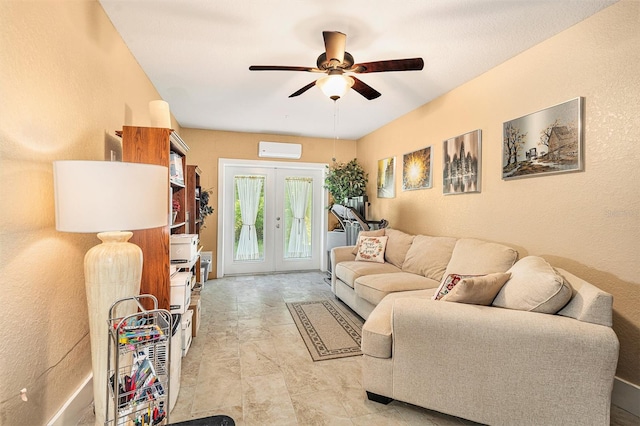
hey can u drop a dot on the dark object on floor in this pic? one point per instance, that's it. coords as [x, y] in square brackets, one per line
[208, 421]
[378, 398]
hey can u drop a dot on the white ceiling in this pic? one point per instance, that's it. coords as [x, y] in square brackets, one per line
[197, 53]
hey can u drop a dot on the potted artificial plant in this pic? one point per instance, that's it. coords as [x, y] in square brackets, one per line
[346, 181]
[205, 208]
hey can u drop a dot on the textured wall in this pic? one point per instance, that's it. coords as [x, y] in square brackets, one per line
[207, 146]
[67, 81]
[587, 222]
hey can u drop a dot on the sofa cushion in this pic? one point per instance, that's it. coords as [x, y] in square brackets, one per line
[477, 257]
[534, 286]
[376, 332]
[373, 288]
[374, 233]
[349, 271]
[429, 256]
[477, 290]
[397, 246]
[371, 249]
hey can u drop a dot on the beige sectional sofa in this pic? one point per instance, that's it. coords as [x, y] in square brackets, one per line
[541, 352]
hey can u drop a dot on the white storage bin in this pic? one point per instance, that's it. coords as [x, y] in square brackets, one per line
[180, 292]
[187, 325]
[184, 247]
[205, 265]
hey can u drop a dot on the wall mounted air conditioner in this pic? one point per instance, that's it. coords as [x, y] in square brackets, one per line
[279, 150]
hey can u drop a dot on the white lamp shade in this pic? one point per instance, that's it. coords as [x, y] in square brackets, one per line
[160, 115]
[335, 86]
[100, 196]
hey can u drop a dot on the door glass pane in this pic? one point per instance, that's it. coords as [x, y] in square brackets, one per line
[297, 217]
[249, 217]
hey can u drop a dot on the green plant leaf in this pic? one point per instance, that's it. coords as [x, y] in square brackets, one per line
[346, 180]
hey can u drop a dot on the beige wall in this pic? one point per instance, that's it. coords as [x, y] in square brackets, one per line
[67, 81]
[588, 222]
[207, 146]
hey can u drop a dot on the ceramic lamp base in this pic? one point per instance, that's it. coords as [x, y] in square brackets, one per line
[112, 271]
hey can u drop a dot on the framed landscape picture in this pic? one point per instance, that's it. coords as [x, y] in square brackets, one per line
[387, 178]
[461, 166]
[416, 170]
[544, 142]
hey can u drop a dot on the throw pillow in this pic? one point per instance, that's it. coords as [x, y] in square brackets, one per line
[371, 249]
[374, 233]
[448, 284]
[477, 290]
[534, 286]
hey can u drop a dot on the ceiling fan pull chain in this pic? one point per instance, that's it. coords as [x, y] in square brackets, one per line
[335, 128]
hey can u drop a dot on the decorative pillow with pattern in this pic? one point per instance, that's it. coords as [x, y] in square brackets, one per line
[448, 284]
[374, 233]
[371, 249]
[477, 290]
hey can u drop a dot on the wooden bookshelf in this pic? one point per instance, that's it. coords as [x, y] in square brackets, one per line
[152, 145]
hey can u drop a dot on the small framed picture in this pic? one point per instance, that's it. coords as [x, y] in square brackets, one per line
[416, 170]
[462, 166]
[544, 142]
[387, 177]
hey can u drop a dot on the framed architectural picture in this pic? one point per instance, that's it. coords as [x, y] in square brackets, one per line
[416, 170]
[387, 178]
[544, 142]
[461, 166]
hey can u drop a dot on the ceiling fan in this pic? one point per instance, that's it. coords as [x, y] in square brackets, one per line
[335, 62]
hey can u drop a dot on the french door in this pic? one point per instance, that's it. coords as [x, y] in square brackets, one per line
[272, 218]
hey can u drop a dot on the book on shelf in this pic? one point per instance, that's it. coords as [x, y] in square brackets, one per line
[176, 172]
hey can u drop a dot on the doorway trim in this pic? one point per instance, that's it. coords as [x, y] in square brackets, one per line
[224, 163]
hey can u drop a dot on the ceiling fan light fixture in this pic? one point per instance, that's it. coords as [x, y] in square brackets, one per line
[335, 86]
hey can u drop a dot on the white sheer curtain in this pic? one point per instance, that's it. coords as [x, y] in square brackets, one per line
[298, 191]
[249, 191]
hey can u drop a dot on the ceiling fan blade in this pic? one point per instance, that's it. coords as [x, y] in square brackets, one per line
[364, 89]
[304, 89]
[413, 64]
[335, 43]
[281, 68]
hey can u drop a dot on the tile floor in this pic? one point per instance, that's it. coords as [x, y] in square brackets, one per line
[249, 362]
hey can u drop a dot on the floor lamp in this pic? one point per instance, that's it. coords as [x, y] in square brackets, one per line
[111, 198]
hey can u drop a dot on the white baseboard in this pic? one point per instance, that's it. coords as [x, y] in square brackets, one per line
[626, 396]
[76, 406]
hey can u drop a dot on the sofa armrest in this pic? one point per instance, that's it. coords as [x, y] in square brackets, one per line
[339, 254]
[342, 254]
[496, 365]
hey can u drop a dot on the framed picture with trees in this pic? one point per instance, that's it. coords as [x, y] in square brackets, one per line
[548, 141]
